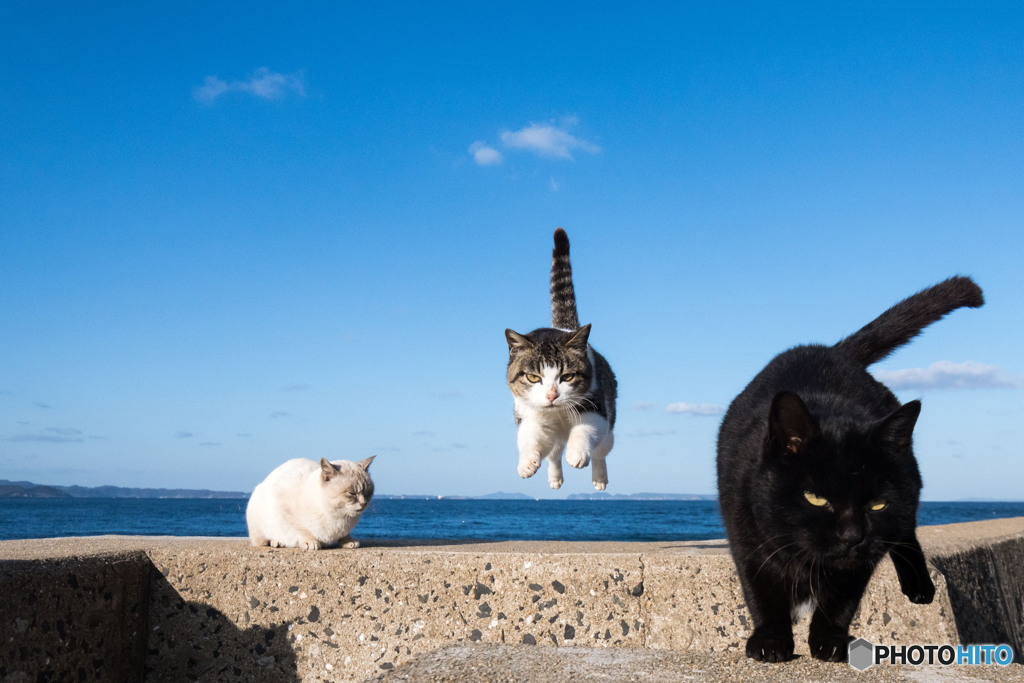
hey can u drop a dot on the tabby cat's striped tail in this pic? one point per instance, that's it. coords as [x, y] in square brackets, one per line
[563, 296]
[908, 318]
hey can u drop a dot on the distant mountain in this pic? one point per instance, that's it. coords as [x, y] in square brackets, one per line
[641, 496]
[26, 489]
[31, 491]
[501, 495]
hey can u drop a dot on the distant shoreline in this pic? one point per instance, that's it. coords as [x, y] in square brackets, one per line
[27, 489]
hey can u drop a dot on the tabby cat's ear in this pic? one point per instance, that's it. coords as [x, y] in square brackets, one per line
[790, 426]
[896, 432]
[327, 470]
[365, 464]
[516, 340]
[579, 339]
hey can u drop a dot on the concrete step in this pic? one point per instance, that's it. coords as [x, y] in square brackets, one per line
[218, 609]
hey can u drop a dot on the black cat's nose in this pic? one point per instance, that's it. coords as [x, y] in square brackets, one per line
[851, 535]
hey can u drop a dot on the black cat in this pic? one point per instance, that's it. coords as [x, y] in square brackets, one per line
[817, 480]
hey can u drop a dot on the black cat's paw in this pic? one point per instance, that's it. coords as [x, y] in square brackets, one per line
[770, 647]
[831, 647]
[921, 593]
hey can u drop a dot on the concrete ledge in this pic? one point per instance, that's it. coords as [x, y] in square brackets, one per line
[123, 608]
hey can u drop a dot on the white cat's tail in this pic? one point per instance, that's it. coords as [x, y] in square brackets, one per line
[563, 296]
[908, 318]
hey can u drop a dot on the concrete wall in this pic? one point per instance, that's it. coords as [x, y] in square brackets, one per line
[128, 608]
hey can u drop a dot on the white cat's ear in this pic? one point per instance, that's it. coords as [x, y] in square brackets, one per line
[896, 432]
[365, 464]
[790, 425]
[580, 338]
[516, 340]
[327, 470]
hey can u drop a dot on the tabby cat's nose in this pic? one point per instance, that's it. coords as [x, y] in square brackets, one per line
[551, 395]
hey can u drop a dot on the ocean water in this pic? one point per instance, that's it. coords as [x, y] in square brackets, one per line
[491, 520]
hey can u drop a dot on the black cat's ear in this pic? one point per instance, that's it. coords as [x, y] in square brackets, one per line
[896, 432]
[365, 464]
[327, 470]
[579, 339]
[516, 340]
[790, 426]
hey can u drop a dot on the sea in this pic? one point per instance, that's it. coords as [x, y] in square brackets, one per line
[429, 518]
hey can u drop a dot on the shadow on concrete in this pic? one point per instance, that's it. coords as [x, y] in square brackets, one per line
[191, 640]
[986, 592]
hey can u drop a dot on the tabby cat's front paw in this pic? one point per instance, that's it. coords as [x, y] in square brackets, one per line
[529, 464]
[350, 543]
[577, 458]
[770, 647]
[600, 485]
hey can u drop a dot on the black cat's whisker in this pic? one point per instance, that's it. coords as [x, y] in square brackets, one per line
[769, 540]
[773, 554]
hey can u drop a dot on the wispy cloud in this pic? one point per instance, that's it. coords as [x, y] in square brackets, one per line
[278, 414]
[643, 405]
[549, 140]
[484, 154]
[183, 435]
[640, 433]
[945, 374]
[264, 83]
[552, 140]
[695, 409]
[52, 435]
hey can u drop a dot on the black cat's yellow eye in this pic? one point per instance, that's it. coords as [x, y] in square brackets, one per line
[533, 379]
[568, 377]
[816, 501]
[877, 505]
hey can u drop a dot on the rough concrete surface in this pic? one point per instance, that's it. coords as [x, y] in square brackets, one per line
[554, 665]
[163, 608]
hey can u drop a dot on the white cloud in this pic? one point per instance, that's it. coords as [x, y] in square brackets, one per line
[548, 140]
[643, 405]
[695, 409]
[945, 374]
[264, 83]
[485, 155]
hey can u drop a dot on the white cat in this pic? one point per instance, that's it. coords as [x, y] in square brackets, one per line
[302, 504]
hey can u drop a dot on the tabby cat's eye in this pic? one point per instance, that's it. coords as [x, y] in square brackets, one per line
[877, 505]
[533, 379]
[568, 377]
[816, 501]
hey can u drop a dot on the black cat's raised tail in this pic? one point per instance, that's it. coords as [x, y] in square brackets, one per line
[563, 296]
[908, 318]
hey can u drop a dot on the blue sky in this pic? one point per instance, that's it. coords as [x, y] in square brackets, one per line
[236, 234]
